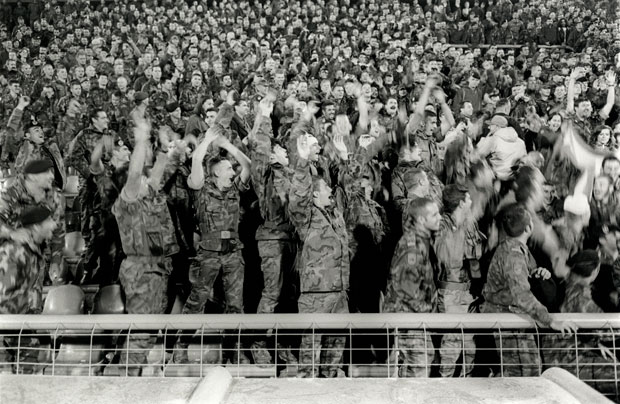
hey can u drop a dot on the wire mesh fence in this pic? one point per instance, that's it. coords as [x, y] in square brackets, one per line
[317, 345]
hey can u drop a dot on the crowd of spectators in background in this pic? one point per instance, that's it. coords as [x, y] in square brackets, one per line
[328, 156]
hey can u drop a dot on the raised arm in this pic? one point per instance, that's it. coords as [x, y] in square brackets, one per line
[141, 134]
[196, 177]
[300, 198]
[610, 80]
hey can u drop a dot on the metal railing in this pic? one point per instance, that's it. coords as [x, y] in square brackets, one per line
[311, 345]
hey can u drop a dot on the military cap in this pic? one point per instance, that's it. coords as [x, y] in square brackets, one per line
[38, 166]
[33, 215]
[171, 107]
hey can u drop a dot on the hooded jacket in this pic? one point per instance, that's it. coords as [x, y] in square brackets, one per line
[504, 148]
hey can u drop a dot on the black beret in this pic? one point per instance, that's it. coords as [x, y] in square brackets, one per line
[33, 215]
[32, 123]
[38, 166]
[584, 263]
[172, 106]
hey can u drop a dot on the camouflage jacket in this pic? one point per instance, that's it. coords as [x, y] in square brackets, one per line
[22, 270]
[507, 288]
[217, 213]
[358, 210]
[400, 184]
[145, 225]
[578, 298]
[15, 197]
[68, 127]
[189, 99]
[80, 149]
[323, 263]
[411, 287]
[272, 185]
[450, 246]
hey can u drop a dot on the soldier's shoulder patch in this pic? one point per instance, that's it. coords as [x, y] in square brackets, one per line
[411, 259]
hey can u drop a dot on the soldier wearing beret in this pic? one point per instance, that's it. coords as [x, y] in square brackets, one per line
[22, 270]
[35, 186]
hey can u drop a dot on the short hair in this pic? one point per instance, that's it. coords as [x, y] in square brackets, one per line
[453, 195]
[503, 102]
[514, 219]
[417, 208]
[94, 113]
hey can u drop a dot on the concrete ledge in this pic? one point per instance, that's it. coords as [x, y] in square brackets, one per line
[577, 388]
[213, 389]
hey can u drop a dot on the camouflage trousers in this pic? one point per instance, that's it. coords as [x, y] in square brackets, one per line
[204, 271]
[277, 257]
[519, 354]
[453, 345]
[318, 348]
[23, 360]
[145, 282]
[590, 366]
[416, 351]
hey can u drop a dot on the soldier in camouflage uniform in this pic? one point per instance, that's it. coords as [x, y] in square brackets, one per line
[22, 270]
[35, 187]
[79, 157]
[148, 239]
[507, 290]
[411, 288]
[271, 178]
[216, 200]
[323, 262]
[453, 280]
[35, 146]
[595, 362]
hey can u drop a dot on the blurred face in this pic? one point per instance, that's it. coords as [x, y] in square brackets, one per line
[224, 174]
[555, 123]
[315, 148]
[100, 122]
[322, 195]
[601, 188]
[432, 218]
[196, 81]
[603, 137]
[120, 156]
[210, 118]
[36, 135]
[584, 109]
[612, 168]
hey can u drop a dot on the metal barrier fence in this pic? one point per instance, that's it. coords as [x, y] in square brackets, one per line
[311, 345]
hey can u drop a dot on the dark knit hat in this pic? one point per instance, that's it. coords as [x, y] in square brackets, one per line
[584, 263]
[38, 166]
[33, 215]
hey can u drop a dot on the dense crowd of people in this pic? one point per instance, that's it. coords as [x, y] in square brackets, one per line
[318, 157]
